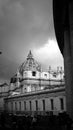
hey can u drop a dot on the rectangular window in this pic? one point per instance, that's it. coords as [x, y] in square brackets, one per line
[19, 106]
[15, 106]
[62, 103]
[43, 105]
[30, 105]
[36, 105]
[24, 105]
[11, 106]
[45, 75]
[33, 73]
[52, 104]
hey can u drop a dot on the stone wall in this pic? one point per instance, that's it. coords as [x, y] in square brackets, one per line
[16, 103]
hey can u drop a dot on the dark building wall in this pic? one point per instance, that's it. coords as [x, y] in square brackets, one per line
[63, 22]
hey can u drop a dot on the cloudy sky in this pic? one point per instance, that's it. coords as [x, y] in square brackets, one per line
[27, 25]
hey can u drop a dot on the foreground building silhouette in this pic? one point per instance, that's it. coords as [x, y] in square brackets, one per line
[34, 91]
[63, 23]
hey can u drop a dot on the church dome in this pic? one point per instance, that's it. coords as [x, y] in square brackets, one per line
[30, 64]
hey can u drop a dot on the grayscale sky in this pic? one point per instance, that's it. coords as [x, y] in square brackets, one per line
[27, 25]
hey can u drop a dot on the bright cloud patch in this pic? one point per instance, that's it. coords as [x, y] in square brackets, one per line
[49, 54]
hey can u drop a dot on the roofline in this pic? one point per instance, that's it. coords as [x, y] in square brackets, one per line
[61, 89]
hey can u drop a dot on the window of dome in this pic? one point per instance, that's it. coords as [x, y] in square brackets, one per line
[45, 75]
[33, 73]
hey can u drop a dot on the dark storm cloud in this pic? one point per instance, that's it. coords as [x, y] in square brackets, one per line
[24, 24]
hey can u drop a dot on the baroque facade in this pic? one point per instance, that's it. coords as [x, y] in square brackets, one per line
[4, 90]
[33, 90]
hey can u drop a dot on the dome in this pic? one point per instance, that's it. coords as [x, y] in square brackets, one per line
[30, 64]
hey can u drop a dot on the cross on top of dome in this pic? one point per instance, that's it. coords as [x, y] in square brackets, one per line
[30, 56]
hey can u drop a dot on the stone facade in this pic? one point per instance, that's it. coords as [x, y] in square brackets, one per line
[30, 77]
[4, 90]
[34, 91]
[43, 101]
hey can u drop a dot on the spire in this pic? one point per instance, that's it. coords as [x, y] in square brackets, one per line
[18, 73]
[30, 56]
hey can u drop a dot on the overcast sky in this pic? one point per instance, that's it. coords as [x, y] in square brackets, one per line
[27, 25]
